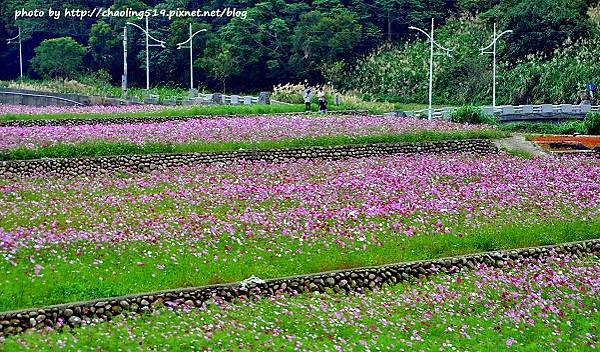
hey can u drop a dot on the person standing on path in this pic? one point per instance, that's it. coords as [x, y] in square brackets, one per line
[322, 102]
[307, 97]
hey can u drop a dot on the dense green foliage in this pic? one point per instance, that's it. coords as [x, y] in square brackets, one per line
[472, 115]
[535, 74]
[59, 57]
[568, 127]
[561, 79]
[282, 41]
[539, 26]
[400, 73]
[278, 40]
[592, 123]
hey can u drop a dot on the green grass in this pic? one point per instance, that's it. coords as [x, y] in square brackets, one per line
[518, 152]
[589, 125]
[375, 107]
[118, 148]
[568, 127]
[85, 271]
[415, 106]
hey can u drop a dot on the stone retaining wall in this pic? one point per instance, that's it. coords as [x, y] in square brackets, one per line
[74, 314]
[148, 162]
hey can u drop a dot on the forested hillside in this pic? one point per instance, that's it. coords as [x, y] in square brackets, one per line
[365, 46]
[549, 58]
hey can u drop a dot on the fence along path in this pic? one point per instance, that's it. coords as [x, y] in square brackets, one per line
[512, 111]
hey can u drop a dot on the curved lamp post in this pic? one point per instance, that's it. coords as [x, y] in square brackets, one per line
[9, 41]
[447, 52]
[159, 43]
[191, 47]
[493, 52]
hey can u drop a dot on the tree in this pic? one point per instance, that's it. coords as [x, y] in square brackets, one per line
[106, 48]
[219, 63]
[474, 6]
[540, 26]
[58, 57]
[260, 44]
[282, 41]
[322, 39]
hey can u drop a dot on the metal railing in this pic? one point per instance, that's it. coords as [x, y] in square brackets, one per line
[438, 113]
[512, 110]
[541, 109]
[203, 99]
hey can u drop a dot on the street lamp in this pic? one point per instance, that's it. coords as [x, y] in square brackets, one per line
[124, 78]
[191, 47]
[148, 36]
[493, 52]
[447, 51]
[20, 51]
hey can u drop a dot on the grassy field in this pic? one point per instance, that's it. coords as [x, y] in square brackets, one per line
[84, 238]
[100, 148]
[83, 272]
[568, 127]
[518, 152]
[531, 306]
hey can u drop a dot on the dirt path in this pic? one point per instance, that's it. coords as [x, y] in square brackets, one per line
[518, 141]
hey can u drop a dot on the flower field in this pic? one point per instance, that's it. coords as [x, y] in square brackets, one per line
[533, 305]
[6, 109]
[21, 112]
[223, 130]
[83, 238]
[226, 134]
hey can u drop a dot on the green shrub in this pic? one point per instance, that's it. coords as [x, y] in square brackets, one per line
[592, 123]
[472, 115]
[570, 127]
[58, 57]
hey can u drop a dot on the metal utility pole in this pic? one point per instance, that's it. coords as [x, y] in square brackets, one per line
[148, 37]
[431, 47]
[147, 58]
[493, 52]
[191, 47]
[124, 78]
[20, 51]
